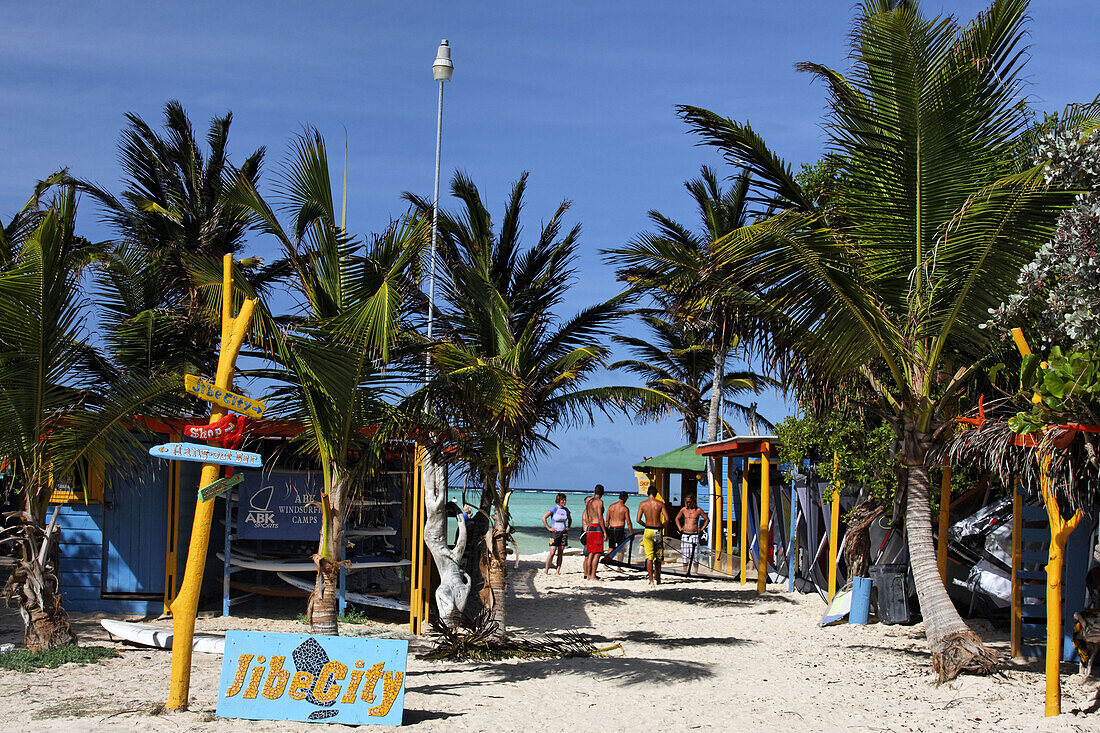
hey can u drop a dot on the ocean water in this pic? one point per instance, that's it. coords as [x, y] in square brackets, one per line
[528, 505]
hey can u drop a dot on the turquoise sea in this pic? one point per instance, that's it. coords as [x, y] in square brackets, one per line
[528, 505]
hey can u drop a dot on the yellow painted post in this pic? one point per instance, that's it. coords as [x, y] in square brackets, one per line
[744, 521]
[764, 542]
[729, 513]
[1017, 564]
[417, 591]
[834, 526]
[1060, 530]
[716, 508]
[186, 604]
[945, 519]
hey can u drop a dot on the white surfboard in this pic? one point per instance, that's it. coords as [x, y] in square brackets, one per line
[363, 599]
[299, 566]
[160, 637]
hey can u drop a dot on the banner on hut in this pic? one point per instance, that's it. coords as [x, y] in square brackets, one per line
[280, 505]
[331, 679]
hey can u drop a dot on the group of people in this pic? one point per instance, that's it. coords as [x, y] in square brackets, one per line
[616, 526]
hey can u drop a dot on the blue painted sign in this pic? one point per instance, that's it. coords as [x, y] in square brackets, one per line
[280, 505]
[198, 453]
[331, 679]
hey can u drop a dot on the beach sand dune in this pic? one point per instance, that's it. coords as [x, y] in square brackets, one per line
[698, 655]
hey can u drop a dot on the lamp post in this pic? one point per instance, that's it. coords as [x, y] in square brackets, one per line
[442, 70]
[429, 500]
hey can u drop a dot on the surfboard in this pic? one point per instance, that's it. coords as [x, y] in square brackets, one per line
[307, 566]
[363, 599]
[160, 637]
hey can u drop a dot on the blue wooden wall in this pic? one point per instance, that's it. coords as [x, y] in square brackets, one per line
[80, 564]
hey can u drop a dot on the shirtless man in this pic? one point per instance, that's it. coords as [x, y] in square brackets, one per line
[691, 521]
[619, 526]
[595, 529]
[652, 515]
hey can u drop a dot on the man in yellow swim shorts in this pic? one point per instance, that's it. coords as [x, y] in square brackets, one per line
[652, 515]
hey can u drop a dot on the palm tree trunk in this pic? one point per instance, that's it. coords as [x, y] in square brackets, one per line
[323, 609]
[498, 573]
[34, 583]
[716, 403]
[454, 584]
[955, 648]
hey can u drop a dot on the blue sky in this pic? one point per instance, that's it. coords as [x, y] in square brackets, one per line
[581, 94]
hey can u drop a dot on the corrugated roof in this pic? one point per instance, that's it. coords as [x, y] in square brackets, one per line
[683, 458]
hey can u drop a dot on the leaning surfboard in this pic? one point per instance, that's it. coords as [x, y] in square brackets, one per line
[159, 637]
[363, 599]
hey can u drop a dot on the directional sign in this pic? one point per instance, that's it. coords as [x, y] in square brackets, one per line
[197, 453]
[220, 429]
[206, 391]
[219, 487]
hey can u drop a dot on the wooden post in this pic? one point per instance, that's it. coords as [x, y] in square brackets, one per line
[417, 590]
[765, 520]
[171, 561]
[1016, 640]
[186, 604]
[1060, 530]
[744, 520]
[945, 520]
[729, 513]
[834, 526]
[716, 508]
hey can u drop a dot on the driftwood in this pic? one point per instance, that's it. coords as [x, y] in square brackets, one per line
[857, 540]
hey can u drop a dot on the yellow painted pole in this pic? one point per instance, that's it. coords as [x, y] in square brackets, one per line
[763, 545]
[1017, 564]
[416, 575]
[716, 508]
[744, 520]
[834, 526]
[186, 604]
[1060, 530]
[945, 519]
[729, 513]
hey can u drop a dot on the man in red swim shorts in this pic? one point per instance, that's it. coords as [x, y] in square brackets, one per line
[594, 532]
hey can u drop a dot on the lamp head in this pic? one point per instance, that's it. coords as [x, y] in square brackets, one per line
[443, 68]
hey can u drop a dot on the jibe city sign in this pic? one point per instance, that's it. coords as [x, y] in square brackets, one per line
[197, 453]
[230, 400]
[335, 679]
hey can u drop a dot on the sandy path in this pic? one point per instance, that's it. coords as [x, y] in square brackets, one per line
[699, 655]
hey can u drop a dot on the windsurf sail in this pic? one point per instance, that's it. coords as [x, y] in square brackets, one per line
[687, 560]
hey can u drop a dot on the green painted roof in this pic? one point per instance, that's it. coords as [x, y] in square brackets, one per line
[683, 458]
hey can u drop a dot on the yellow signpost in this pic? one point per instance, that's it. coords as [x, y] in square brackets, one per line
[186, 603]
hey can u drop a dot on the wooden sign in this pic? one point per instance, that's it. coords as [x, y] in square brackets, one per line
[206, 391]
[334, 679]
[226, 426]
[219, 487]
[197, 453]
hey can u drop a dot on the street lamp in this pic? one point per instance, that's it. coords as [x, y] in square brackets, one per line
[442, 70]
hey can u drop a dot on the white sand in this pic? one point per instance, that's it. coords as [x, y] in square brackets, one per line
[698, 655]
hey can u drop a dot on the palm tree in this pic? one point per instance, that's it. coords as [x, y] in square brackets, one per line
[337, 361]
[679, 363]
[172, 221]
[929, 223]
[64, 403]
[507, 370]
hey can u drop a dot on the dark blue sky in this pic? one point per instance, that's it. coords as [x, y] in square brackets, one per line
[579, 93]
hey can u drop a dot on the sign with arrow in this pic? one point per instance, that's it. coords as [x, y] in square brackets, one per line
[204, 390]
[198, 453]
[219, 487]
